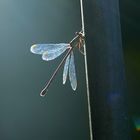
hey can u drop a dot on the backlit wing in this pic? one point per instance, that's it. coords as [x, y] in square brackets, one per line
[41, 48]
[72, 72]
[50, 55]
[49, 51]
[65, 71]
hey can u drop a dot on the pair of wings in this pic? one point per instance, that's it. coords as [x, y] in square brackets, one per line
[52, 51]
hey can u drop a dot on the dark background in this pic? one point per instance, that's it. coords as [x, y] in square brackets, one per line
[62, 114]
[130, 21]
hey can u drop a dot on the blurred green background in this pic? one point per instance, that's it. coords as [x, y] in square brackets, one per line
[24, 115]
[62, 114]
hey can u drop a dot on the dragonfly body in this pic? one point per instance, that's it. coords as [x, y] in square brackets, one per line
[52, 51]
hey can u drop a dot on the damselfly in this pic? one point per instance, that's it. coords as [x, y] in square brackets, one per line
[52, 51]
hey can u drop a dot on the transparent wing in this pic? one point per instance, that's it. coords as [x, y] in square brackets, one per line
[54, 53]
[41, 48]
[72, 72]
[65, 71]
